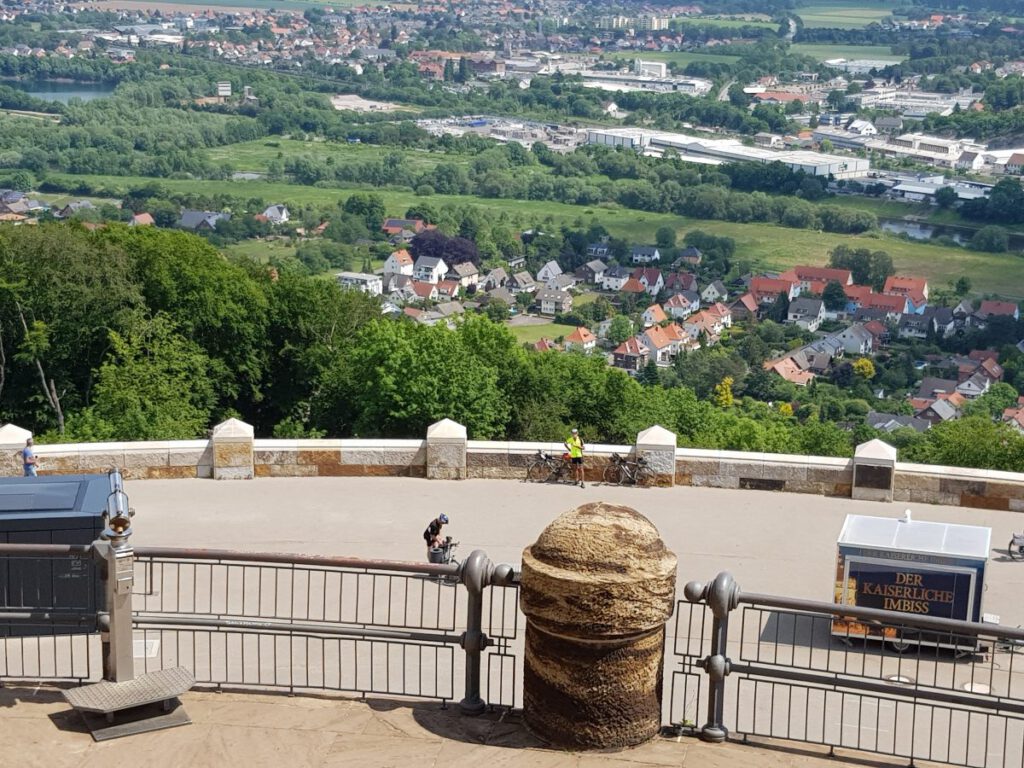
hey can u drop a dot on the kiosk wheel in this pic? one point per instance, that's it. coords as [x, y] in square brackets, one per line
[1016, 551]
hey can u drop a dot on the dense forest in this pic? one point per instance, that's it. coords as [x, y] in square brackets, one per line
[129, 334]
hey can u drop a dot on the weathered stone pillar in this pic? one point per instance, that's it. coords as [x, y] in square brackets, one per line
[232, 442]
[874, 471]
[446, 451]
[658, 446]
[597, 588]
[12, 440]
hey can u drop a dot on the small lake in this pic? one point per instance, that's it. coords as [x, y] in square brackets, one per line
[917, 231]
[62, 91]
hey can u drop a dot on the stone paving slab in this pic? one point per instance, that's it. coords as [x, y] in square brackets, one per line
[37, 728]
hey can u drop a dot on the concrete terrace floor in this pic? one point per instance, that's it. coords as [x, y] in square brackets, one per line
[772, 542]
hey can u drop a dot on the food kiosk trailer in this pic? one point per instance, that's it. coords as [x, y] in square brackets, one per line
[911, 566]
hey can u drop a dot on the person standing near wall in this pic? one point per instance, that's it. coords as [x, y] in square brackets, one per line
[574, 445]
[29, 462]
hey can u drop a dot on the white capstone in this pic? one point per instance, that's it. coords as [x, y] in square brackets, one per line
[875, 452]
[233, 429]
[446, 429]
[657, 436]
[12, 435]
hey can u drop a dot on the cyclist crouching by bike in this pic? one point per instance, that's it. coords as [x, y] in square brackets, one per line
[432, 535]
[574, 445]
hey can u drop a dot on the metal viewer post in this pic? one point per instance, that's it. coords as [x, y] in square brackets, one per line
[721, 596]
[118, 569]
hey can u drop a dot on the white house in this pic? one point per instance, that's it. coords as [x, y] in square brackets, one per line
[807, 313]
[466, 273]
[714, 292]
[683, 304]
[399, 263]
[614, 278]
[548, 272]
[554, 302]
[371, 284]
[581, 340]
[430, 269]
[276, 214]
[645, 254]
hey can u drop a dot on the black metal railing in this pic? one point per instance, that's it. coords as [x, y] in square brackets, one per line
[280, 621]
[913, 687]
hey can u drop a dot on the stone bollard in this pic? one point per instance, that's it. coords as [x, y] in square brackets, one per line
[232, 450]
[12, 440]
[446, 451]
[658, 446]
[597, 588]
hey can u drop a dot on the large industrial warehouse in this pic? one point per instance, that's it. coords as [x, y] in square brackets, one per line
[729, 151]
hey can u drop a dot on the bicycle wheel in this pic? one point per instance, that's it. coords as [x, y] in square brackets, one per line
[612, 474]
[1015, 551]
[644, 477]
[538, 472]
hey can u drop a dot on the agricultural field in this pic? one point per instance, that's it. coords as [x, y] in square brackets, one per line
[528, 334]
[844, 14]
[255, 156]
[763, 245]
[731, 21]
[825, 52]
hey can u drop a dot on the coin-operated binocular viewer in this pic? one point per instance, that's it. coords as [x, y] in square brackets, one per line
[117, 561]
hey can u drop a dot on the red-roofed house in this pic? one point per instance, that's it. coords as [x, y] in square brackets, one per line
[654, 315]
[914, 288]
[857, 293]
[990, 308]
[680, 306]
[399, 263]
[633, 286]
[581, 339]
[811, 277]
[894, 306]
[681, 281]
[650, 279]
[545, 345]
[744, 308]
[787, 368]
[425, 291]
[780, 97]
[631, 355]
[766, 289]
[722, 312]
[1015, 163]
[141, 220]
[448, 289]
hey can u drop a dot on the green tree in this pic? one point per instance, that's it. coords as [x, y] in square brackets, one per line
[665, 237]
[723, 393]
[834, 296]
[946, 197]
[496, 310]
[620, 329]
[962, 286]
[992, 239]
[154, 385]
[864, 367]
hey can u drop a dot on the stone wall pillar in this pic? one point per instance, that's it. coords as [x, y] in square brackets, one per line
[658, 446]
[232, 443]
[874, 471]
[597, 588]
[446, 451]
[12, 440]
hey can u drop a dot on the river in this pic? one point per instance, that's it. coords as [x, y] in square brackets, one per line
[915, 230]
[62, 90]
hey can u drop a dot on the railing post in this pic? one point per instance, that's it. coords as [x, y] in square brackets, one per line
[721, 597]
[475, 573]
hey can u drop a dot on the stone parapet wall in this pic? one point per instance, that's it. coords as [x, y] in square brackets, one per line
[764, 471]
[510, 460]
[231, 453]
[340, 458]
[959, 486]
[173, 459]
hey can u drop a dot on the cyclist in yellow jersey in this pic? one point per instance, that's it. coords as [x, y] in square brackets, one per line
[574, 445]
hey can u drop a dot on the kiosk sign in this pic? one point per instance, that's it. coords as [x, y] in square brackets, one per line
[943, 594]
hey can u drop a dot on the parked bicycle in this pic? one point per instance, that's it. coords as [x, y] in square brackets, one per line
[549, 469]
[1016, 547]
[622, 471]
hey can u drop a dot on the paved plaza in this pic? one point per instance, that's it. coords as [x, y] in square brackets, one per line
[772, 542]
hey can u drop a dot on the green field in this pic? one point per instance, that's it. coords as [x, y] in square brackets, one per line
[261, 251]
[844, 14]
[531, 333]
[257, 155]
[729, 22]
[825, 52]
[764, 245]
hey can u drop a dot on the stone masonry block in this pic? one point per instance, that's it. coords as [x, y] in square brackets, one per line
[88, 460]
[146, 459]
[189, 457]
[278, 457]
